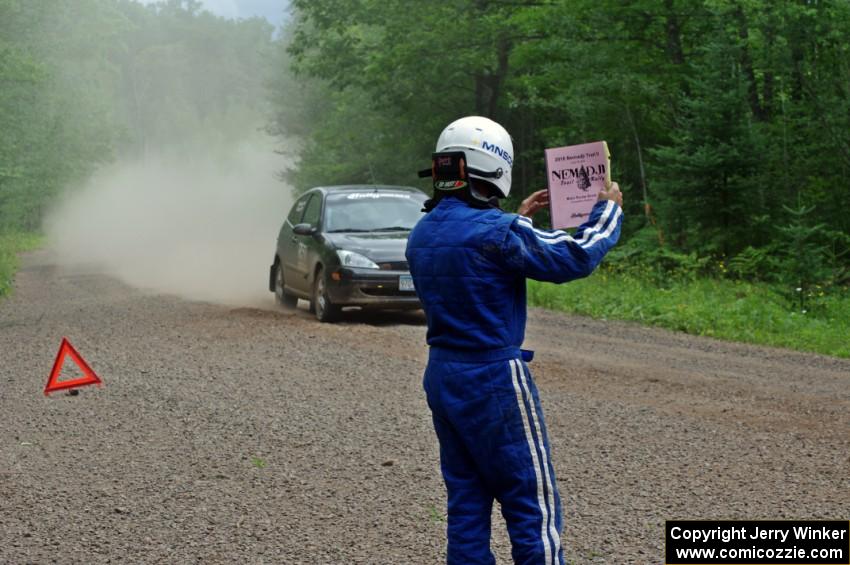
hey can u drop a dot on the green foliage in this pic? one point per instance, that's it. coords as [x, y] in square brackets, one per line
[731, 310]
[719, 114]
[642, 256]
[730, 118]
[803, 256]
[188, 77]
[10, 245]
[756, 264]
[84, 81]
[705, 171]
[55, 113]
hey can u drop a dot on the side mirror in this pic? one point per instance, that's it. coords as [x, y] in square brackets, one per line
[303, 229]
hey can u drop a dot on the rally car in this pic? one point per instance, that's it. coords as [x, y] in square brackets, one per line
[344, 246]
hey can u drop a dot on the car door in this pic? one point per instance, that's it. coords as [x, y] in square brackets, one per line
[307, 246]
[288, 243]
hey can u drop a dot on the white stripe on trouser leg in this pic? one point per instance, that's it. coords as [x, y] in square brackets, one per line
[553, 529]
[544, 510]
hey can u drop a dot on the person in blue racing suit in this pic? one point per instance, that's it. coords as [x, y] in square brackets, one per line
[469, 261]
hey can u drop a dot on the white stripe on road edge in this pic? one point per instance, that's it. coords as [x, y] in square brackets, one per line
[553, 530]
[544, 511]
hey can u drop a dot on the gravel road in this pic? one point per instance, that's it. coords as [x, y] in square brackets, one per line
[251, 435]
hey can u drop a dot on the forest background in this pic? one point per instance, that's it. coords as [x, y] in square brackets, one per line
[728, 120]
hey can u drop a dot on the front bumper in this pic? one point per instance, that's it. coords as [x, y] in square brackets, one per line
[370, 287]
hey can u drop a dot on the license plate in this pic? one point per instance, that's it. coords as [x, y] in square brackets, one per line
[405, 283]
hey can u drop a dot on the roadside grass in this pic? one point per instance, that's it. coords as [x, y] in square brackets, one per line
[732, 310]
[10, 245]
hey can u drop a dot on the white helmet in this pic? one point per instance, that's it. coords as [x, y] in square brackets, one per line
[488, 148]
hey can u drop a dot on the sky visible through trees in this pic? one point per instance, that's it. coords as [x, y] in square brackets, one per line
[272, 10]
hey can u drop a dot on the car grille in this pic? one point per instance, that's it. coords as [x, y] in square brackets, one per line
[394, 266]
[387, 292]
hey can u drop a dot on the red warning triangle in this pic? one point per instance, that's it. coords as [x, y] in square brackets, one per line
[88, 378]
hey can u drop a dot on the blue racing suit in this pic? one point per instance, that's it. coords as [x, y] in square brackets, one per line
[469, 267]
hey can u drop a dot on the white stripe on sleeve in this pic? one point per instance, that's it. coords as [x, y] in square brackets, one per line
[608, 231]
[525, 222]
[600, 223]
[557, 236]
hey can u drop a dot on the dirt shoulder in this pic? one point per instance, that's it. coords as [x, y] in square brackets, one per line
[232, 434]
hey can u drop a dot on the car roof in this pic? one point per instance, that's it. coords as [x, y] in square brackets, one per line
[365, 187]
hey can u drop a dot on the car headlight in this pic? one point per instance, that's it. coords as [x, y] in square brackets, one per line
[352, 259]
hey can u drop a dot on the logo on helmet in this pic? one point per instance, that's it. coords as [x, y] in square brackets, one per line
[493, 148]
[449, 184]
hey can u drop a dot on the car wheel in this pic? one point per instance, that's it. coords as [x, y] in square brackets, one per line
[326, 311]
[283, 297]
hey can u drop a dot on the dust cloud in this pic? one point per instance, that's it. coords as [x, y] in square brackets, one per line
[200, 224]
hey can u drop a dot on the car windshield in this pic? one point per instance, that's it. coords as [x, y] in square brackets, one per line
[373, 211]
